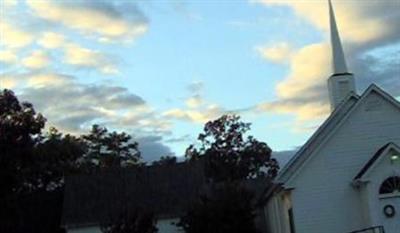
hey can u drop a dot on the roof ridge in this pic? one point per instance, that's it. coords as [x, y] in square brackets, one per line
[319, 131]
[322, 128]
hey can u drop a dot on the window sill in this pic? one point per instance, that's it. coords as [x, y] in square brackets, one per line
[389, 195]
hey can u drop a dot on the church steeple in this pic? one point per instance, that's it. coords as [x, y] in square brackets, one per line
[339, 62]
[341, 83]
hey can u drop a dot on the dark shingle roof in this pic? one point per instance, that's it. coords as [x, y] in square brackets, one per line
[168, 191]
[165, 190]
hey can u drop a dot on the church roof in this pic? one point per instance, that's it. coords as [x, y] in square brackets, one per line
[327, 129]
[167, 191]
[379, 153]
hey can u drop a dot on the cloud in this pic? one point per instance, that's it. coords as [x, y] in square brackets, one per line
[36, 60]
[383, 72]
[195, 87]
[196, 116]
[73, 107]
[358, 23]
[48, 79]
[8, 3]
[194, 101]
[109, 20]
[12, 36]
[51, 40]
[278, 53]
[304, 91]
[152, 148]
[8, 57]
[6, 82]
[57, 95]
[183, 138]
[196, 110]
[87, 58]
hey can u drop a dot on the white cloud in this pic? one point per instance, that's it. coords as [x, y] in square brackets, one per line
[201, 115]
[278, 53]
[303, 92]
[12, 36]
[309, 67]
[51, 40]
[90, 20]
[196, 110]
[47, 79]
[194, 102]
[36, 60]
[354, 18]
[8, 3]
[7, 82]
[87, 58]
[8, 56]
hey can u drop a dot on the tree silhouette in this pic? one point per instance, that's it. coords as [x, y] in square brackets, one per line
[29, 166]
[20, 127]
[54, 157]
[229, 155]
[230, 159]
[165, 160]
[105, 149]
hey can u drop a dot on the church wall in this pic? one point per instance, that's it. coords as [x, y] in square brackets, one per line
[166, 226]
[163, 225]
[91, 229]
[323, 198]
[276, 214]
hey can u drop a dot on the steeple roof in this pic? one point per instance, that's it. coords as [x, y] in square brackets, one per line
[339, 61]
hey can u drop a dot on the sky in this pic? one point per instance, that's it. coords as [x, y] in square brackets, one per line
[160, 69]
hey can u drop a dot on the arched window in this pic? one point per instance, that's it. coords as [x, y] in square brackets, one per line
[390, 185]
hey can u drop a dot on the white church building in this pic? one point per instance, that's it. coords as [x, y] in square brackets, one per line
[346, 177]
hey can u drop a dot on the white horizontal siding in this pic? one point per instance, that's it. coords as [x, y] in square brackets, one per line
[163, 225]
[323, 199]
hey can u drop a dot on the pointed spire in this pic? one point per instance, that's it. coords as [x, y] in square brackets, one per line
[341, 83]
[339, 62]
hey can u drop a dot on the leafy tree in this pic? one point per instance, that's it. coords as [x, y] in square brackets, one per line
[26, 168]
[166, 160]
[55, 156]
[229, 155]
[230, 158]
[132, 223]
[20, 127]
[95, 141]
[229, 209]
[122, 151]
[19, 123]
[110, 149]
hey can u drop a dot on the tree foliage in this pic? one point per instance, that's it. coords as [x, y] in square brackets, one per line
[110, 149]
[229, 155]
[20, 127]
[166, 160]
[19, 123]
[54, 157]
